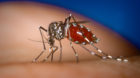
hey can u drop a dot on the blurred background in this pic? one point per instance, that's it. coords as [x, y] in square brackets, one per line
[122, 16]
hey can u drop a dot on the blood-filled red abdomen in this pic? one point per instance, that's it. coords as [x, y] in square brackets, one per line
[80, 34]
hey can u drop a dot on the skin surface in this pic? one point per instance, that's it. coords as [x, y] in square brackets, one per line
[19, 23]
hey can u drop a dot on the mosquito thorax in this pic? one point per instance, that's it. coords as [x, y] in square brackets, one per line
[56, 30]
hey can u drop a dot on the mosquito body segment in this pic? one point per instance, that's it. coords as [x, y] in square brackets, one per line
[56, 30]
[81, 35]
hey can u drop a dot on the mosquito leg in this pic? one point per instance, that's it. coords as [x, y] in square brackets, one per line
[76, 54]
[52, 50]
[44, 47]
[52, 56]
[73, 19]
[67, 20]
[60, 58]
[41, 28]
[34, 60]
[109, 56]
[91, 52]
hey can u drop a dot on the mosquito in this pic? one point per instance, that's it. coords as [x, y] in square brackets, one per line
[76, 33]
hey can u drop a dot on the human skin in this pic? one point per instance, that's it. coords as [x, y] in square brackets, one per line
[19, 22]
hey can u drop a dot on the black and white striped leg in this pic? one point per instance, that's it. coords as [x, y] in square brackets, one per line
[67, 20]
[100, 51]
[91, 52]
[52, 50]
[76, 54]
[105, 56]
[44, 46]
[60, 58]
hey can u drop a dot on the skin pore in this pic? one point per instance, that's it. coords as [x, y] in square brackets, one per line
[19, 22]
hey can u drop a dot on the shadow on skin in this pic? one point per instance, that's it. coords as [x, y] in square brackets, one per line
[20, 21]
